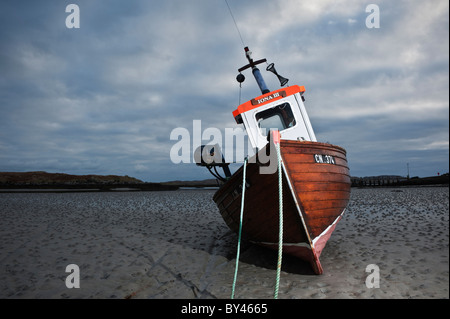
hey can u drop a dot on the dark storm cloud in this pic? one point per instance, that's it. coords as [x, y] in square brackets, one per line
[105, 98]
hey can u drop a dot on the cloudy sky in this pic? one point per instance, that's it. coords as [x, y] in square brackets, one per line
[104, 98]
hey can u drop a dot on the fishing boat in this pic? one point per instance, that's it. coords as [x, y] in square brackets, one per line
[315, 177]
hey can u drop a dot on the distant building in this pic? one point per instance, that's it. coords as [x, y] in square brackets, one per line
[381, 180]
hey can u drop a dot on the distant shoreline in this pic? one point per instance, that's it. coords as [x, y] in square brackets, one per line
[80, 190]
[397, 181]
[46, 182]
[64, 188]
[43, 182]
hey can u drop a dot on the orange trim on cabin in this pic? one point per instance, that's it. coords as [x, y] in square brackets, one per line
[260, 100]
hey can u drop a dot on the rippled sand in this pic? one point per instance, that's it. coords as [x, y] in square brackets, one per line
[176, 245]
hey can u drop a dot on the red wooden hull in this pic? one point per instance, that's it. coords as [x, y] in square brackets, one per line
[316, 191]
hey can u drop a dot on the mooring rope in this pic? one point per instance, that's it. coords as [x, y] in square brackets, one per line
[280, 235]
[240, 228]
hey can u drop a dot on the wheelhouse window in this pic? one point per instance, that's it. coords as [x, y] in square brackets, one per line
[279, 118]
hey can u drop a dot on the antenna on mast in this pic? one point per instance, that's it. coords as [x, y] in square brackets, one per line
[232, 16]
[256, 73]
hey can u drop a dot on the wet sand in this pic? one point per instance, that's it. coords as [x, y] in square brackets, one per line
[176, 245]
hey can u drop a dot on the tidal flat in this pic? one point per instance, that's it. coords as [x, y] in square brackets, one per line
[174, 244]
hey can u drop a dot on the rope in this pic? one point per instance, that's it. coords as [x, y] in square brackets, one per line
[240, 229]
[280, 236]
[231, 13]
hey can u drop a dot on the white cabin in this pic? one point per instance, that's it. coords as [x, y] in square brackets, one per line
[281, 110]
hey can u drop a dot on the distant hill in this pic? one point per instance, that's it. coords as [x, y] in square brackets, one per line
[43, 182]
[203, 183]
[44, 178]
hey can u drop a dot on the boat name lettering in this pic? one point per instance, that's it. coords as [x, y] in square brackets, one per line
[324, 159]
[268, 98]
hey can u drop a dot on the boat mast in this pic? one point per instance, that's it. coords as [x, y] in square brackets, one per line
[256, 73]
